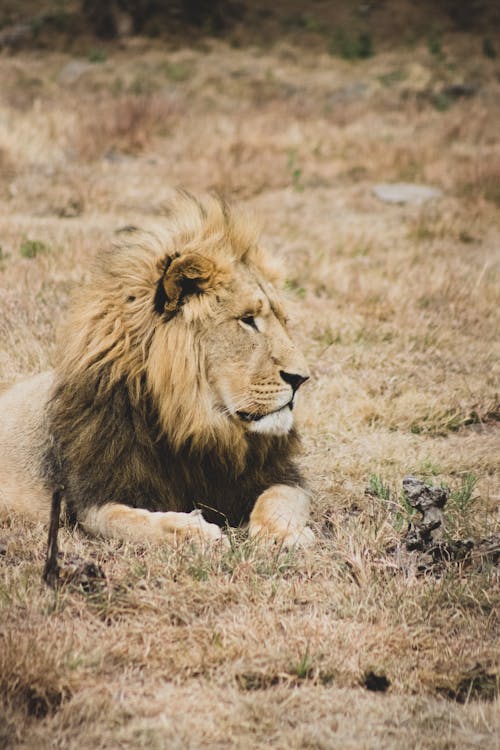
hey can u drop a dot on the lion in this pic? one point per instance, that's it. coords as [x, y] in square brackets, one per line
[169, 414]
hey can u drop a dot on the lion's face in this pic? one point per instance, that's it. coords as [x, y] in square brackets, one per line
[188, 317]
[253, 366]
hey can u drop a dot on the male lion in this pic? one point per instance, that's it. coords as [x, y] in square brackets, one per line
[173, 394]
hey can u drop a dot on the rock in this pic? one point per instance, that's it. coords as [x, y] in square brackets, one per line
[426, 549]
[348, 93]
[116, 157]
[430, 501]
[405, 192]
[71, 72]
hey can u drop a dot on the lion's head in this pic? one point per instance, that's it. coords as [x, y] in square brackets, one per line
[188, 315]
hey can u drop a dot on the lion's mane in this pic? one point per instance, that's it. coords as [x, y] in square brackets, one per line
[130, 414]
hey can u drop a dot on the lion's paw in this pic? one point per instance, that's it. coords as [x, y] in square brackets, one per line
[301, 537]
[192, 527]
[298, 536]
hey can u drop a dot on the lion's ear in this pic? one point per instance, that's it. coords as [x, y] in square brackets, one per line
[183, 276]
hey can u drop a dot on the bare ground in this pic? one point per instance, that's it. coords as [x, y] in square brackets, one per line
[397, 310]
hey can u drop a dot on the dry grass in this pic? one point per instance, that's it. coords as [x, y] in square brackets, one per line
[397, 310]
[123, 125]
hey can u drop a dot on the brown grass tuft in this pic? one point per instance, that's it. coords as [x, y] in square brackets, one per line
[33, 672]
[126, 124]
[481, 179]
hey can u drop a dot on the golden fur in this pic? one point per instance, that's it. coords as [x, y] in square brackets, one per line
[174, 388]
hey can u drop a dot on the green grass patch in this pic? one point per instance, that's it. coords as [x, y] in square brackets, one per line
[96, 55]
[378, 488]
[435, 43]
[393, 501]
[441, 101]
[489, 48]
[392, 77]
[302, 669]
[294, 171]
[463, 497]
[292, 285]
[177, 72]
[428, 467]
[358, 47]
[32, 248]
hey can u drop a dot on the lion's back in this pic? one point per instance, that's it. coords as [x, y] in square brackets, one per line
[24, 440]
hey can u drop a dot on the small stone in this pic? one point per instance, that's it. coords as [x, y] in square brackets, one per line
[405, 192]
[350, 92]
[73, 71]
[429, 501]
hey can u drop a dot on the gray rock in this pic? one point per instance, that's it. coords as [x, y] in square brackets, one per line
[405, 192]
[350, 92]
[73, 71]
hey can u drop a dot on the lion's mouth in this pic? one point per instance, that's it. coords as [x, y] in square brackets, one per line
[247, 416]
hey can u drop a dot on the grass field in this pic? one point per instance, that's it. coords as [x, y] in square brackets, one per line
[396, 307]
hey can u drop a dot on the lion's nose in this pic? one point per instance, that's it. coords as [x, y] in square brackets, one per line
[293, 379]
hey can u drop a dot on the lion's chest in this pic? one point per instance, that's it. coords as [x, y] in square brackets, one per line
[187, 482]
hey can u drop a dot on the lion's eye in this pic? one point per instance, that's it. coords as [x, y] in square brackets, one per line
[249, 320]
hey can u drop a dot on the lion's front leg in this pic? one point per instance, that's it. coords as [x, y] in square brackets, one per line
[281, 514]
[114, 520]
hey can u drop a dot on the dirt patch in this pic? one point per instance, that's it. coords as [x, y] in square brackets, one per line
[32, 682]
[478, 683]
[378, 683]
